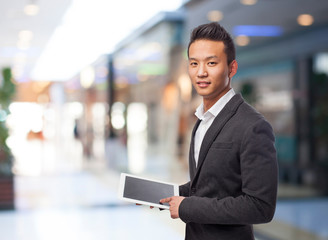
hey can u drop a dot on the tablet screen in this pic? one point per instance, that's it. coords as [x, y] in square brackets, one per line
[146, 191]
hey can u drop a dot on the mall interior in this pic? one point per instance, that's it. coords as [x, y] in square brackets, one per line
[69, 128]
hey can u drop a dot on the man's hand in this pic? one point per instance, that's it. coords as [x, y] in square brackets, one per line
[174, 203]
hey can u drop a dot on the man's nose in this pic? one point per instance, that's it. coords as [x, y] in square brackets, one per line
[202, 72]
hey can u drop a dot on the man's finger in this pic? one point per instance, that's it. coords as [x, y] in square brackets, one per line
[165, 200]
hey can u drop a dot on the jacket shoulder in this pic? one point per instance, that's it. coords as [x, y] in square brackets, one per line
[245, 114]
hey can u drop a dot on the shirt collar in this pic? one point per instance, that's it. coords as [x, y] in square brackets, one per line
[216, 108]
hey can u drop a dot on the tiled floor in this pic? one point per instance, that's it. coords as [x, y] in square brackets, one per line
[79, 206]
[310, 215]
[84, 224]
[297, 220]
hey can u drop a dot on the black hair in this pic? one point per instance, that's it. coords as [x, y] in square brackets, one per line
[214, 32]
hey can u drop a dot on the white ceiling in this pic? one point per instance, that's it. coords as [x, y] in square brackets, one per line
[13, 20]
[95, 23]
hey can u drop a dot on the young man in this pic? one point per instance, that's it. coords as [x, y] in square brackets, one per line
[232, 161]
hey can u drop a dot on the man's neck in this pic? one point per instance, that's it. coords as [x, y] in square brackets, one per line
[209, 102]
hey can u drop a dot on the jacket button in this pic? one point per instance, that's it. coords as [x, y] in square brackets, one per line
[193, 190]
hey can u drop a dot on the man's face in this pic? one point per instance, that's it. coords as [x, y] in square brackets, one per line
[209, 70]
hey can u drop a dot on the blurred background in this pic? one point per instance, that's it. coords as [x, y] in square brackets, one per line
[90, 89]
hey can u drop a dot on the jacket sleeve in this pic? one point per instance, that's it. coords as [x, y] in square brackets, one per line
[259, 180]
[184, 189]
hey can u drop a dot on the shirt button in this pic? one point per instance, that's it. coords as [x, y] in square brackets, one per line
[193, 190]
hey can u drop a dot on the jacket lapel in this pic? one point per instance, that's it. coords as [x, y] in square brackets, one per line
[223, 117]
[192, 162]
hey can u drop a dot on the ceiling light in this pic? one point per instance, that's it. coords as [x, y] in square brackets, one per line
[31, 9]
[25, 35]
[242, 40]
[215, 16]
[70, 37]
[87, 77]
[23, 45]
[248, 2]
[305, 20]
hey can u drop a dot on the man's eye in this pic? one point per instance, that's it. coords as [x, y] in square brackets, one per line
[193, 64]
[212, 63]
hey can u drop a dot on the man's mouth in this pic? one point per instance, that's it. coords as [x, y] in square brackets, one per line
[203, 83]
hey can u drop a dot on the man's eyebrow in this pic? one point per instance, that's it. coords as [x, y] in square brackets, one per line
[211, 57]
[207, 58]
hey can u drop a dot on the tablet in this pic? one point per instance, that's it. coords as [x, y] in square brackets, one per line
[146, 191]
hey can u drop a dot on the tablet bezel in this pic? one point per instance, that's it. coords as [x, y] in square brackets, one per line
[122, 186]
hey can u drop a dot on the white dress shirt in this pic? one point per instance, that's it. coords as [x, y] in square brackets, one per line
[208, 118]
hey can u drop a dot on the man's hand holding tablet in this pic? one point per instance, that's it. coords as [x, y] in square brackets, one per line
[174, 203]
[146, 191]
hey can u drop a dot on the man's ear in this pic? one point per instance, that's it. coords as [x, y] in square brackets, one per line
[233, 67]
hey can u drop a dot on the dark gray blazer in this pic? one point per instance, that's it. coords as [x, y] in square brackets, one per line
[235, 183]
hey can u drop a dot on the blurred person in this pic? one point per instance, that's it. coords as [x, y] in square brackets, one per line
[232, 161]
[76, 129]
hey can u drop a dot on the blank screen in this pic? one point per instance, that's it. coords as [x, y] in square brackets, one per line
[147, 191]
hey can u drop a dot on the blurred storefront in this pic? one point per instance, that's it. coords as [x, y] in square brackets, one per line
[319, 118]
[146, 86]
[45, 116]
[87, 93]
[287, 89]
